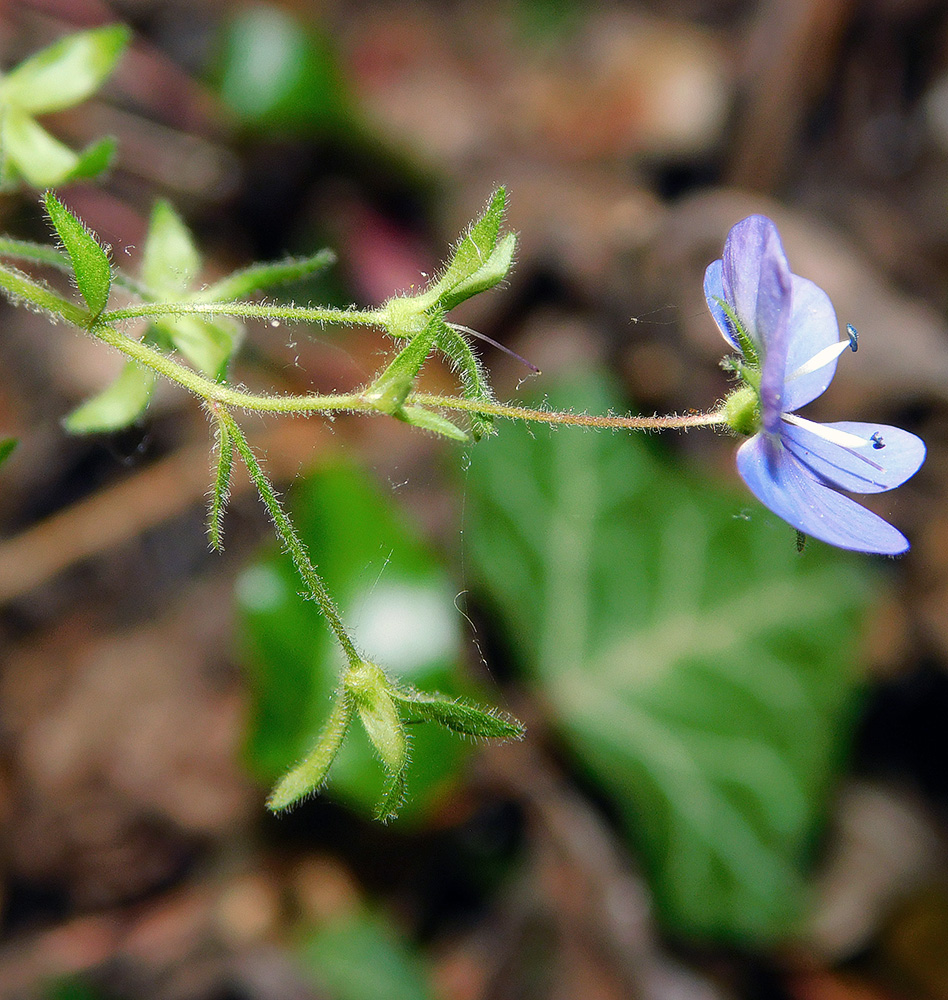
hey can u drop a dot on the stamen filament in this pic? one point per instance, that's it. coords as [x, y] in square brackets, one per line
[821, 359]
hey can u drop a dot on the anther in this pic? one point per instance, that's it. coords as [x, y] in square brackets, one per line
[853, 337]
[877, 441]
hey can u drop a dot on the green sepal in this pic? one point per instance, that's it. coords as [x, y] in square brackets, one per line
[90, 263]
[371, 693]
[7, 446]
[117, 406]
[220, 488]
[66, 72]
[393, 796]
[418, 416]
[458, 715]
[390, 390]
[95, 159]
[310, 774]
[474, 385]
[258, 277]
[479, 261]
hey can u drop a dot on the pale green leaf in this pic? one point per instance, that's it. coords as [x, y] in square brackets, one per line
[170, 261]
[66, 72]
[117, 406]
[29, 151]
[207, 344]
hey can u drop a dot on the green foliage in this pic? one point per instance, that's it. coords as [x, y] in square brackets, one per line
[118, 405]
[401, 605]
[359, 956]
[699, 667]
[171, 264]
[90, 262]
[60, 76]
[274, 74]
[7, 446]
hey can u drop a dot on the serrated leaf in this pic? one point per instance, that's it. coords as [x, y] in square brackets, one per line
[90, 262]
[66, 72]
[170, 260]
[117, 406]
[258, 277]
[7, 447]
[400, 606]
[699, 667]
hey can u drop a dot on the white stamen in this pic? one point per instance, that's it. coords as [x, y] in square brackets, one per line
[820, 360]
[835, 436]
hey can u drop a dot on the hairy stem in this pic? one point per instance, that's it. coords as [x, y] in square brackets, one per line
[291, 540]
[246, 310]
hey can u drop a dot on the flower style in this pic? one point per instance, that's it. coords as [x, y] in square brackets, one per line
[786, 332]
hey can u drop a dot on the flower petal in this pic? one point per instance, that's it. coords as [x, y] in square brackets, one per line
[777, 479]
[714, 293]
[813, 327]
[860, 470]
[773, 327]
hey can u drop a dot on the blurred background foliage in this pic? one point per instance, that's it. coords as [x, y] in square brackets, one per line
[733, 783]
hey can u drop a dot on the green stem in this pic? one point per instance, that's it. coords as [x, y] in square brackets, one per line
[246, 310]
[673, 421]
[291, 540]
[18, 286]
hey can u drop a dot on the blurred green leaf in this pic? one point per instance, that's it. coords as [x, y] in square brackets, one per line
[171, 264]
[400, 606]
[7, 446]
[170, 261]
[117, 406]
[29, 151]
[360, 957]
[699, 666]
[66, 72]
[258, 277]
[90, 262]
[275, 74]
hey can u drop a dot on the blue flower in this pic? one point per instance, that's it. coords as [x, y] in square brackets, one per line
[786, 332]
